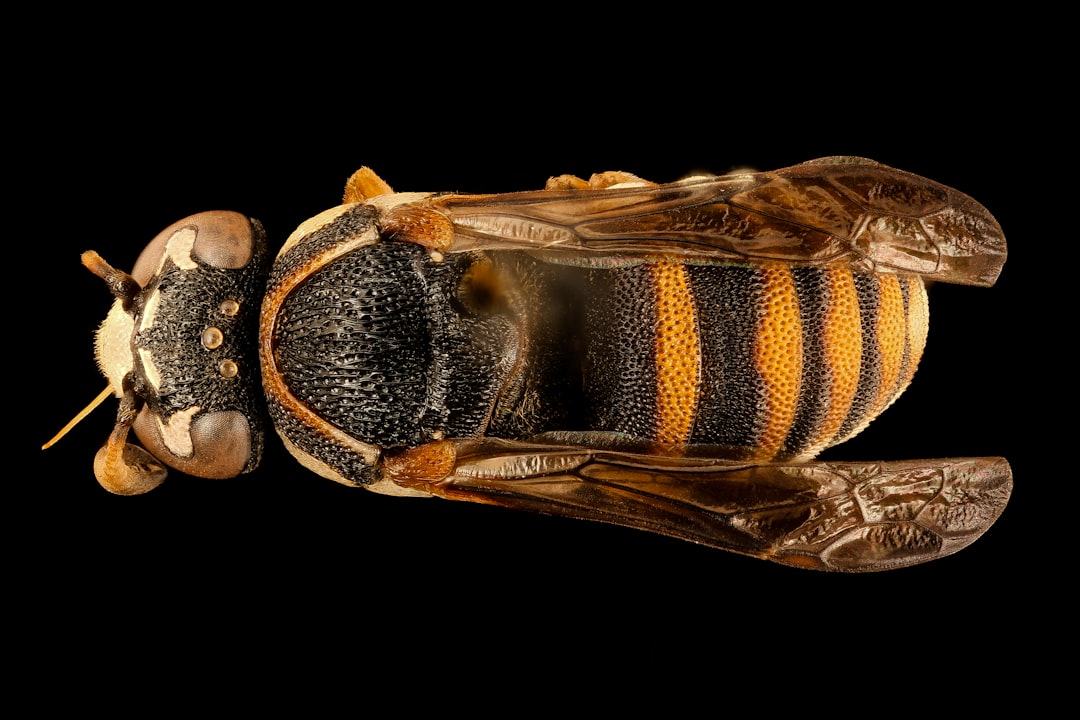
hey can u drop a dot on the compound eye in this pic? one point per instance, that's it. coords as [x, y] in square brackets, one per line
[219, 239]
[214, 445]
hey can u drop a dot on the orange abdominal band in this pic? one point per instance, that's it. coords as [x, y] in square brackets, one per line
[778, 357]
[678, 355]
[843, 353]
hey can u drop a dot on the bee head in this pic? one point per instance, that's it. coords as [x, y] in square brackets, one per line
[179, 348]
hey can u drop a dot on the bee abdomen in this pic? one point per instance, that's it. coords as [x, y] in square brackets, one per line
[760, 361]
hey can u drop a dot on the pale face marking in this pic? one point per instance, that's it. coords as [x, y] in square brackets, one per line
[176, 434]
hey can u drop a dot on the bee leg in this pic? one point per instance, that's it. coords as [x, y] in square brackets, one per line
[617, 177]
[597, 182]
[566, 182]
[365, 184]
[120, 467]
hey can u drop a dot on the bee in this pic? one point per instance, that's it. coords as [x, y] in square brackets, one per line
[668, 357]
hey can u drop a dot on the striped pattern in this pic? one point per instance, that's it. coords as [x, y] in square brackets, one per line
[763, 361]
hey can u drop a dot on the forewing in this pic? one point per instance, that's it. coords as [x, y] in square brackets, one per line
[818, 212]
[849, 517]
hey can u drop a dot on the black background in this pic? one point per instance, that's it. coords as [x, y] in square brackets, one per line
[277, 142]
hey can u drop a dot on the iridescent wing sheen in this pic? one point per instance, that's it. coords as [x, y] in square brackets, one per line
[822, 211]
[839, 516]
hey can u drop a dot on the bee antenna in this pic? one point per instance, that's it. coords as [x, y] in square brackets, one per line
[78, 418]
[123, 286]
